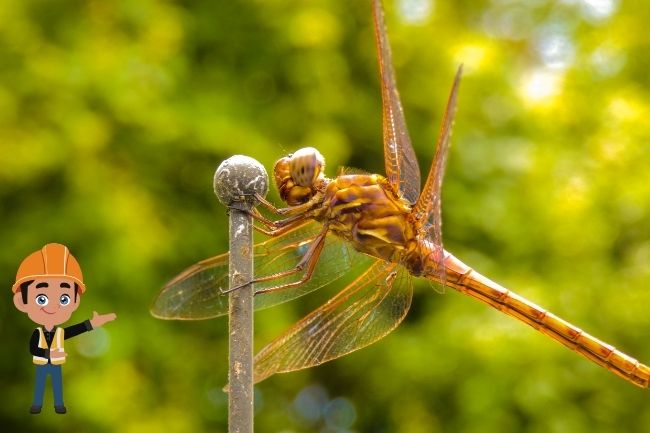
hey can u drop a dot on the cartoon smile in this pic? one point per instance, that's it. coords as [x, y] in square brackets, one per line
[47, 312]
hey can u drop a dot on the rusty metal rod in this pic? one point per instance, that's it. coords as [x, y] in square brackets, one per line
[236, 182]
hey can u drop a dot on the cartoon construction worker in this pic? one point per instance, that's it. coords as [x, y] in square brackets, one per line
[48, 287]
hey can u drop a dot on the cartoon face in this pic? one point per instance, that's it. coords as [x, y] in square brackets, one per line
[50, 301]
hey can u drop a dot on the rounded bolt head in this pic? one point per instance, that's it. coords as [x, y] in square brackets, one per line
[238, 179]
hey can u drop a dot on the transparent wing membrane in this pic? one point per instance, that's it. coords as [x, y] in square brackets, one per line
[365, 311]
[402, 169]
[196, 293]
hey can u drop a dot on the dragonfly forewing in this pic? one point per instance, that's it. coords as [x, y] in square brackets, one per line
[365, 311]
[197, 292]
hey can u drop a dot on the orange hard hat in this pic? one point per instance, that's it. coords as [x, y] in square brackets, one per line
[53, 260]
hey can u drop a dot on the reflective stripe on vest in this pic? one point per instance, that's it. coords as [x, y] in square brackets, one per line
[57, 343]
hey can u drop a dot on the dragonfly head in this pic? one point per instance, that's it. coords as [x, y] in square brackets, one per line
[299, 174]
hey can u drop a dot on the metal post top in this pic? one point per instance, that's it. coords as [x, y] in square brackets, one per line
[237, 183]
[238, 179]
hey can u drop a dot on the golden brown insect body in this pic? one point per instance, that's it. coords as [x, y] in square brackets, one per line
[363, 209]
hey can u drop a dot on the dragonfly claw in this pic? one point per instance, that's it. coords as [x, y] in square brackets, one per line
[232, 289]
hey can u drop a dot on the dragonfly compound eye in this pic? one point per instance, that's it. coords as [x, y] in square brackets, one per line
[306, 165]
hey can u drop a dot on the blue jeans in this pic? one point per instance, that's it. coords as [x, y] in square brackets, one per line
[57, 384]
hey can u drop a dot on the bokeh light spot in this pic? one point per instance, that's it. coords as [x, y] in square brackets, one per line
[509, 21]
[608, 60]
[622, 109]
[473, 56]
[340, 413]
[555, 48]
[415, 11]
[309, 403]
[598, 10]
[540, 86]
[93, 344]
[314, 28]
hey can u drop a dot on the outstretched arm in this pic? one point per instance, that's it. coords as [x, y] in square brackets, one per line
[88, 325]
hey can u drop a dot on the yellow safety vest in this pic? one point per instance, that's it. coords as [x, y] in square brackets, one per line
[57, 343]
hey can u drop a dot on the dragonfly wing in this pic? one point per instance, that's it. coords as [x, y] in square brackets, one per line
[428, 209]
[428, 206]
[402, 168]
[196, 293]
[362, 313]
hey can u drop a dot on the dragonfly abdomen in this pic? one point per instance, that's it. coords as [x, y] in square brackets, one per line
[464, 279]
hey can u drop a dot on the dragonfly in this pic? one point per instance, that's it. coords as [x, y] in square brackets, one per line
[387, 228]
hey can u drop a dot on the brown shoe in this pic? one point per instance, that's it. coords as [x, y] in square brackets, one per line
[35, 409]
[60, 409]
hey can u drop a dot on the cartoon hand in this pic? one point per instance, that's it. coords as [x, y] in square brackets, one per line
[58, 353]
[99, 319]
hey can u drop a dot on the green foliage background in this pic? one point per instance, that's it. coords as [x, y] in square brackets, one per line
[114, 116]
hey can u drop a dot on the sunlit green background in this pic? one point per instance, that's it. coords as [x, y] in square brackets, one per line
[115, 114]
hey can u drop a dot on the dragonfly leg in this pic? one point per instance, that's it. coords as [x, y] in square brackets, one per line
[270, 206]
[277, 231]
[292, 220]
[293, 210]
[307, 263]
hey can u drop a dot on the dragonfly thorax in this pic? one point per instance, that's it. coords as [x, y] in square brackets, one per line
[299, 175]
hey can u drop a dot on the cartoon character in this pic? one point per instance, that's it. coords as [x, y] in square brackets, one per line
[48, 287]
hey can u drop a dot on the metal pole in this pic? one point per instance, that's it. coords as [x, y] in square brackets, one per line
[236, 182]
